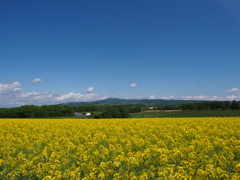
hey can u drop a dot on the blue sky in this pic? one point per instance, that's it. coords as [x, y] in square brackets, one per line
[62, 51]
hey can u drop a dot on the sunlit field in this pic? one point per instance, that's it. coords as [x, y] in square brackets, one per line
[147, 148]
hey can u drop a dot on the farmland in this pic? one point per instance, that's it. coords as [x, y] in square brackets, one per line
[134, 148]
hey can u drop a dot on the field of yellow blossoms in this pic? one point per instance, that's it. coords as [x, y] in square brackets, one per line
[157, 148]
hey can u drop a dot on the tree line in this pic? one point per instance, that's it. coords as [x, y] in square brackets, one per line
[117, 111]
[49, 111]
[205, 105]
[32, 111]
[112, 112]
[94, 108]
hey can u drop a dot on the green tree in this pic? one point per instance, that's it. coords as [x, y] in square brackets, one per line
[97, 115]
[234, 105]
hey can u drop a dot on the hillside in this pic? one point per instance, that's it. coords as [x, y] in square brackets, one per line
[116, 101]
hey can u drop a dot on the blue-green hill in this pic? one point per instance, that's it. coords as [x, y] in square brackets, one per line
[116, 101]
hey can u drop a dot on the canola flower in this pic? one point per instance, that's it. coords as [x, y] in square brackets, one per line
[144, 149]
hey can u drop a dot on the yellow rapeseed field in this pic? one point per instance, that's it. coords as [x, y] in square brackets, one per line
[147, 148]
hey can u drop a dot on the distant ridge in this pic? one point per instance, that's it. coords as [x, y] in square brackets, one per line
[117, 101]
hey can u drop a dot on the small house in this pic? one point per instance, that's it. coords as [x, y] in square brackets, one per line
[88, 114]
[78, 113]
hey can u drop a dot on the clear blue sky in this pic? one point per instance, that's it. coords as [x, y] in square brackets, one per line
[62, 51]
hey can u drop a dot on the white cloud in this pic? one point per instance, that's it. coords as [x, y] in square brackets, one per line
[233, 97]
[6, 88]
[140, 96]
[167, 98]
[11, 95]
[28, 94]
[70, 96]
[90, 90]
[133, 85]
[152, 97]
[233, 90]
[203, 97]
[36, 80]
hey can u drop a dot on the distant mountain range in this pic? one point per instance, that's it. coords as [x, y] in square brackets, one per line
[116, 101]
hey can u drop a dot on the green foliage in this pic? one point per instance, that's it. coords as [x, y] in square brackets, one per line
[32, 111]
[112, 112]
[97, 115]
[134, 109]
[204, 113]
[207, 105]
[86, 108]
[234, 105]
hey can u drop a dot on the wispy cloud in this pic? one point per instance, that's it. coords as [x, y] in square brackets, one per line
[90, 90]
[6, 88]
[36, 80]
[168, 97]
[203, 97]
[152, 97]
[11, 95]
[233, 90]
[140, 96]
[133, 85]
